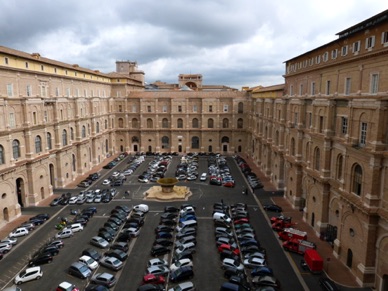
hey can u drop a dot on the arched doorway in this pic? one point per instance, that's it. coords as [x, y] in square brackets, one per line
[312, 219]
[6, 214]
[239, 149]
[225, 143]
[180, 148]
[51, 169]
[121, 148]
[20, 191]
[349, 259]
[384, 284]
[42, 193]
[210, 149]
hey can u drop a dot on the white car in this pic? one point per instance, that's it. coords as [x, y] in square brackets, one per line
[88, 261]
[232, 263]
[254, 262]
[13, 241]
[181, 263]
[33, 273]
[157, 262]
[106, 182]
[203, 177]
[20, 231]
[132, 231]
[65, 233]
[73, 200]
[141, 207]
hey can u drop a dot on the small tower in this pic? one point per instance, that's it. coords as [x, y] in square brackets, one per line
[192, 81]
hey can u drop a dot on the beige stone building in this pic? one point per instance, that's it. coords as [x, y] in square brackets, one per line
[325, 141]
[321, 136]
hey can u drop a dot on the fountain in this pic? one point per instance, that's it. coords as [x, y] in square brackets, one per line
[168, 190]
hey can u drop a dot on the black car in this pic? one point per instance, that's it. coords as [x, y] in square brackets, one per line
[112, 225]
[124, 208]
[151, 287]
[43, 216]
[171, 209]
[94, 287]
[120, 216]
[118, 254]
[163, 242]
[106, 235]
[52, 250]
[111, 231]
[122, 246]
[168, 222]
[115, 220]
[273, 207]
[328, 284]
[91, 252]
[36, 220]
[163, 228]
[124, 237]
[229, 272]
[40, 259]
[158, 250]
[81, 220]
[139, 220]
[188, 254]
[181, 274]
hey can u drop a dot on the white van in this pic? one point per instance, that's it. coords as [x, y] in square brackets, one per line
[75, 227]
[221, 217]
[186, 224]
[65, 233]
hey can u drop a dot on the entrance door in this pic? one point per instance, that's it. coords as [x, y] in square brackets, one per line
[180, 148]
[349, 259]
[20, 191]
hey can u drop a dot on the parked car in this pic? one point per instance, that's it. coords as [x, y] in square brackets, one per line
[66, 286]
[99, 242]
[91, 252]
[158, 270]
[20, 231]
[79, 270]
[122, 246]
[158, 250]
[153, 279]
[105, 279]
[232, 263]
[33, 273]
[88, 261]
[65, 233]
[328, 284]
[111, 263]
[181, 274]
[118, 254]
[157, 262]
[40, 259]
[9, 240]
[180, 263]
[272, 207]
[185, 286]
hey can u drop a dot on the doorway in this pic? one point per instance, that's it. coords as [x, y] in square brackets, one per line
[20, 191]
[349, 259]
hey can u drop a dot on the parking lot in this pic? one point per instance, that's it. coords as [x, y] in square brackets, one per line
[207, 265]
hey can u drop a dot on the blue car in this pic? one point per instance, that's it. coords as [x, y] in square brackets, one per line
[262, 271]
[163, 234]
[187, 217]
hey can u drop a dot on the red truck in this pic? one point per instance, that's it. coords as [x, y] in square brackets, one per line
[274, 219]
[312, 261]
[280, 225]
[289, 233]
[298, 245]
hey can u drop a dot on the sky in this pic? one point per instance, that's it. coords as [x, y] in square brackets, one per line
[230, 42]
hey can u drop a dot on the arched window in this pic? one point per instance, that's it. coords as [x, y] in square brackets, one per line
[225, 139]
[38, 144]
[240, 123]
[150, 123]
[195, 142]
[135, 139]
[83, 133]
[165, 142]
[97, 127]
[16, 149]
[164, 123]
[340, 162]
[71, 133]
[292, 147]
[135, 123]
[49, 144]
[121, 123]
[64, 137]
[2, 161]
[106, 146]
[357, 180]
[180, 123]
[210, 123]
[225, 123]
[195, 123]
[317, 159]
[240, 107]
[106, 124]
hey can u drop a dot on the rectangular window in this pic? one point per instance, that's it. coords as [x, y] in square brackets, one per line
[210, 108]
[45, 116]
[384, 38]
[370, 42]
[195, 108]
[55, 70]
[148, 108]
[85, 93]
[344, 50]
[374, 83]
[26, 65]
[363, 131]
[347, 86]
[29, 91]
[67, 92]
[334, 54]
[321, 124]
[43, 89]
[344, 125]
[328, 83]
[57, 92]
[120, 108]
[12, 120]
[9, 90]
[179, 108]
[310, 119]
[295, 118]
[134, 109]
[34, 119]
[291, 90]
[6, 61]
[164, 108]
[312, 88]
[318, 59]
[41, 67]
[356, 46]
[301, 89]
[226, 107]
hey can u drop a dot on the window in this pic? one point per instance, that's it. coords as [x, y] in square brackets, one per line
[120, 108]
[34, 120]
[195, 108]
[135, 123]
[317, 159]
[357, 180]
[347, 86]
[38, 144]
[340, 162]
[16, 149]
[179, 108]
[356, 46]
[148, 108]
[12, 120]
[292, 147]
[301, 89]
[6, 61]
[71, 133]
[164, 123]
[67, 92]
[370, 42]
[41, 67]
[210, 108]
[226, 107]
[106, 124]
[325, 56]
[363, 131]
[164, 108]
[210, 123]
[9, 90]
[344, 125]
[328, 83]
[295, 118]
[165, 142]
[150, 123]
[28, 90]
[310, 119]
[97, 127]
[121, 123]
[291, 90]
[195, 123]
[321, 124]
[83, 133]
[49, 144]
[312, 88]
[334, 54]
[195, 142]
[57, 92]
[225, 123]
[134, 108]
[384, 38]
[240, 108]
[318, 59]
[240, 123]
[26, 65]
[2, 161]
[180, 123]
[374, 83]
[344, 50]
[64, 137]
